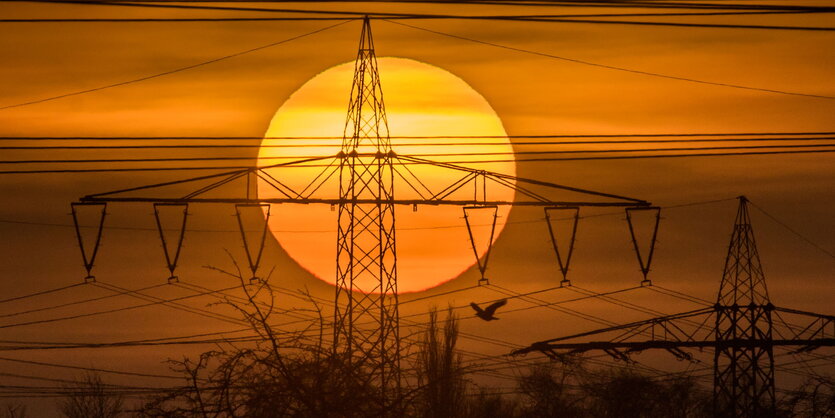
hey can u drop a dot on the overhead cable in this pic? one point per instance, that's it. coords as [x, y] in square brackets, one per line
[611, 67]
[491, 161]
[172, 71]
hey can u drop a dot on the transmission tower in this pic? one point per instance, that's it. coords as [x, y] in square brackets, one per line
[366, 168]
[742, 337]
[365, 314]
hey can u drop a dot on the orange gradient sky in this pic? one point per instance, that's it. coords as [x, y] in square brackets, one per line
[491, 89]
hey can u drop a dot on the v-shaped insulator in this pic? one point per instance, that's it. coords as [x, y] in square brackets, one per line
[644, 257]
[481, 261]
[570, 214]
[89, 237]
[253, 244]
[171, 217]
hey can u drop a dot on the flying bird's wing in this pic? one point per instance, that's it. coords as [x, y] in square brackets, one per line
[496, 305]
[476, 307]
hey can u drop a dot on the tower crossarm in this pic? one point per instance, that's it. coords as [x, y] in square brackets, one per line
[808, 328]
[690, 328]
[466, 186]
[555, 350]
[675, 332]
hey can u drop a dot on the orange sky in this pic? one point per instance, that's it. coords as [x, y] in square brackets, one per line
[531, 95]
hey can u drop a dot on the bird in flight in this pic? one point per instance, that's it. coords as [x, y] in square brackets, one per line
[487, 314]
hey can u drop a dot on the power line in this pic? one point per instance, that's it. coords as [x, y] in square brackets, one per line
[449, 292]
[532, 136]
[150, 340]
[172, 71]
[63, 381]
[794, 231]
[92, 369]
[540, 3]
[633, 157]
[456, 154]
[118, 170]
[178, 340]
[43, 292]
[413, 144]
[409, 15]
[402, 16]
[536, 306]
[74, 346]
[183, 20]
[537, 18]
[541, 303]
[506, 344]
[108, 311]
[683, 24]
[79, 302]
[178, 306]
[609, 67]
[520, 160]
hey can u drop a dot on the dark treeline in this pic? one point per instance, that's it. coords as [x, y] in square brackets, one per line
[293, 375]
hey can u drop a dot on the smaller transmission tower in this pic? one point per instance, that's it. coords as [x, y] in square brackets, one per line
[742, 338]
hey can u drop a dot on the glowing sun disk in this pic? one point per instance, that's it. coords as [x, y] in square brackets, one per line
[421, 100]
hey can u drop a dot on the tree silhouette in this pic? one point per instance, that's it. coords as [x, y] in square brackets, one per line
[626, 393]
[814, 398]
[294, 374]
[13, 410]
[440, 374]
[90, 397]
[283, 374]
[547, 392]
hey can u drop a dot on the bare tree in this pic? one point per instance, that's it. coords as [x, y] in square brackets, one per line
[15, 410]
[549, 390]
[440, 373]
[90, 397]
[814, 398]
[626, 393]
[281, 374]
[488, 404]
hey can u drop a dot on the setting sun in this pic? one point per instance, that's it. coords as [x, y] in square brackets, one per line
[421, 101]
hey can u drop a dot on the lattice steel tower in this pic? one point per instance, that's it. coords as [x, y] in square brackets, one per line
[742, 338]
[366, 312]
[743, 374]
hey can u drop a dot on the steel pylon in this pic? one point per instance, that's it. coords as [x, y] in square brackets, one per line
[366, 299]
[743, 376]
[742, 338]
[366, 312]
